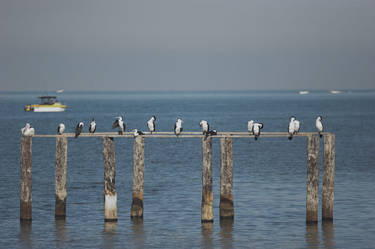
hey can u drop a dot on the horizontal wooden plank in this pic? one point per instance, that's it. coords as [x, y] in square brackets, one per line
[182, 135]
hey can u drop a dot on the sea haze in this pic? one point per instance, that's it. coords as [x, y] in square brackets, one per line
[269, 174]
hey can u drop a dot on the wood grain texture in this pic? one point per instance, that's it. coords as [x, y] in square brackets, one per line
[138, 177]
[226, 178]
[328, 177]
[207, 195]
[60, 177]
[312, 183]
[110, 194]
[26, 178]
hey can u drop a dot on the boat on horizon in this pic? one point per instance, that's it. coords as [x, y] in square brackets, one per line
[304, 92]
[335, 91]
[47, 104]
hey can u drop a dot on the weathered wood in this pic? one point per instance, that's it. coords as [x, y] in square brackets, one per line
[226, 178]
[60, 177]
[110, 194]
[328, 177]
[138, 177]
[26, 178]
[207, 195]
[312, 184]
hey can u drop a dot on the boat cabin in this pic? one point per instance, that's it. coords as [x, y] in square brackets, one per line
[47, 100]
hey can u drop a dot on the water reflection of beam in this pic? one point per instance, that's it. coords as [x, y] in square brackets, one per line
[226, 229]
[60, 230]
[207, 230]
[328, 234]
[138, 237]
[312, 235]
[25, 232]
[109, 232]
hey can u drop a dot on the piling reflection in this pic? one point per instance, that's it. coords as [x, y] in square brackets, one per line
[60, 230]
[226, 230]
[207, 229]
[25, 234]
[109, 233]
[328, 234]
[139, 237]
[312, 235]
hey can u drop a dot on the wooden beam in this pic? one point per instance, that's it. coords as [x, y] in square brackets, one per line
[328, 176]
[138, 177]
[226, 178]
[312, 183]
[207, 195]
[110, 194]
[26, 179]
[60, 177]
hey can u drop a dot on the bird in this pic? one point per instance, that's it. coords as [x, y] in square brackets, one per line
[61, 129]
[92, 127]
[205, 127]
[178, 127]
[256, 130]
[119, 123]
[212, 132]
[28, 130]
[319, 125]
[78, 129]
[293, 127]
[137, 133]
[250, 125]
[151, 124]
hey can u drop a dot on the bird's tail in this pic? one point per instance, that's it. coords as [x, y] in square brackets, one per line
[256, 138]
[120, 132]
[320, 134]
[290, 137]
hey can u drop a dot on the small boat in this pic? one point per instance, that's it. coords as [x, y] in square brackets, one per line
[303, 92]
[335, 91]
[47, 104]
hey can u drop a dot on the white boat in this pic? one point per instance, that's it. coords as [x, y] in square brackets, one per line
[304, 92]
[48, 104]
[334, 91]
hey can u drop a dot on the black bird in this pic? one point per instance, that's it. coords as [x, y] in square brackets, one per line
[79, 128]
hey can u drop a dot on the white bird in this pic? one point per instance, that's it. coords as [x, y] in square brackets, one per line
[78, 129]
[319, 125]
[61, 129]
[293, 127]
[151, 124]
[205, 127]
[256, 129]
[119, 123]
[92, 127]
[250, 125]
[137, 133]
[28, 130]
[178, 127]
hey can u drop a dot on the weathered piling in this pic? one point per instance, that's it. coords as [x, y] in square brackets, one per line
[312, 185]
[138, 177]
[110, 194]
[207, 195]
[328, 177]
[226, 178]
[26, 178]
[60, 177]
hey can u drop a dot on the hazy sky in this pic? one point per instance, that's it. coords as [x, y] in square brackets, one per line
[186, 44]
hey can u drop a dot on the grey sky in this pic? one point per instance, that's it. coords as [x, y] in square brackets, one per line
[186, 45]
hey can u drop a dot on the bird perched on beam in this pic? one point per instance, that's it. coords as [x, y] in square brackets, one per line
[92, 127]
[319, 125]
[61, 129]
[28, 130]
[120, 124]
[178, 127]
[151, 124]
[78, 129]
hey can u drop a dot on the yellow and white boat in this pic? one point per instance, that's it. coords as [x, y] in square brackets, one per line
[48, 104]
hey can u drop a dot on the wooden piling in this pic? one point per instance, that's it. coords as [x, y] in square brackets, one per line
[328, 177]
[26, 179]
[226, 178]
[207, 195]
[110, 194]
[312, 188]
[138, 177]
[60, 176]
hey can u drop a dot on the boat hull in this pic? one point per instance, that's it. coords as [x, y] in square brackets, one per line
[48, 109]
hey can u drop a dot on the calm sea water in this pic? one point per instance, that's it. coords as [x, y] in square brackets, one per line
[269, 174]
